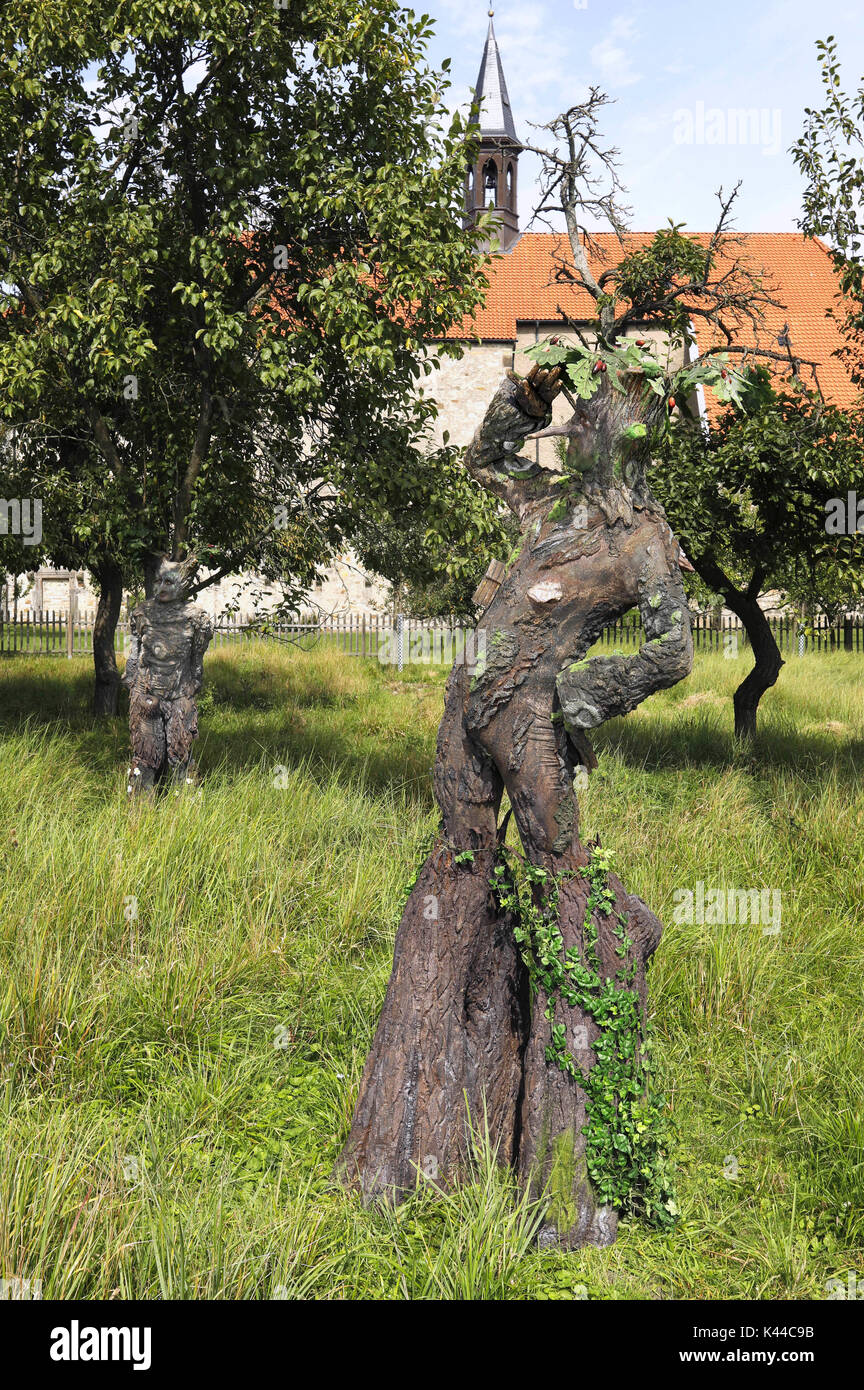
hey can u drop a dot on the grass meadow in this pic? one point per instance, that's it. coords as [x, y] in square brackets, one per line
[188, 990]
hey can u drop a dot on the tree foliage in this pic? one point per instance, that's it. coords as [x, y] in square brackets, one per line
[751, 492]
[227, 240]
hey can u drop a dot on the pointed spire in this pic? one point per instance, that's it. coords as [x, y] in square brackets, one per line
[496, 118]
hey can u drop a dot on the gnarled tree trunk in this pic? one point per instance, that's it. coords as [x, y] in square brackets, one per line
[767, 660]
[459, 1032]
[766, 667]
[106, 687]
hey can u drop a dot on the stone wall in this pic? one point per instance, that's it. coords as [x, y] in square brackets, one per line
[345, 588]
[464, 388]
[52, 591]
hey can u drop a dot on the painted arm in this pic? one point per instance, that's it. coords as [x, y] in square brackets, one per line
[520, 406]
[602, 687]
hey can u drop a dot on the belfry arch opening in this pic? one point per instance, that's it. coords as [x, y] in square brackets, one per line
[490, 182]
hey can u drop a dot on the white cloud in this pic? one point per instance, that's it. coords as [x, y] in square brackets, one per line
[610, 56]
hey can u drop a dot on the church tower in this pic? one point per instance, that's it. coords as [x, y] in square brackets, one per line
[490, 184]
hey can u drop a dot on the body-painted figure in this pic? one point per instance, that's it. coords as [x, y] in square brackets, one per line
[460, 1032]
[164, 673]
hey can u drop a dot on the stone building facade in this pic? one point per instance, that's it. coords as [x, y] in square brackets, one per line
[345, 588]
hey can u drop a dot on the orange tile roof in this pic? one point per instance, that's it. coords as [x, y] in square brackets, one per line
[523, 289]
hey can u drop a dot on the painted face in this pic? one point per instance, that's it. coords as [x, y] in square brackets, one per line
[173, 581]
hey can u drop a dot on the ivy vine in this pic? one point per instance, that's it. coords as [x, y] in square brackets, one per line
[626, 1131]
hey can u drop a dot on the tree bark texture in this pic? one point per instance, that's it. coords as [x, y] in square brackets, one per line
[164, 674]
[459, 1034]
[106, 685]
[767, 661]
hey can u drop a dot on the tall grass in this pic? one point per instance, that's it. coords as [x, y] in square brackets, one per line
[188, 990]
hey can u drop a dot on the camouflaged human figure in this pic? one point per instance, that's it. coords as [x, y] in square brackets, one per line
[461, 1039]
[164, 672]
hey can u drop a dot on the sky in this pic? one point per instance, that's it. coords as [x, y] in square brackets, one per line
[680, 71]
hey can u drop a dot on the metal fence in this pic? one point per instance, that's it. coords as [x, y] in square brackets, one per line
[405, 640]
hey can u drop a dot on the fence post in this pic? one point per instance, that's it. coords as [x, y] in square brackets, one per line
[400, 628]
